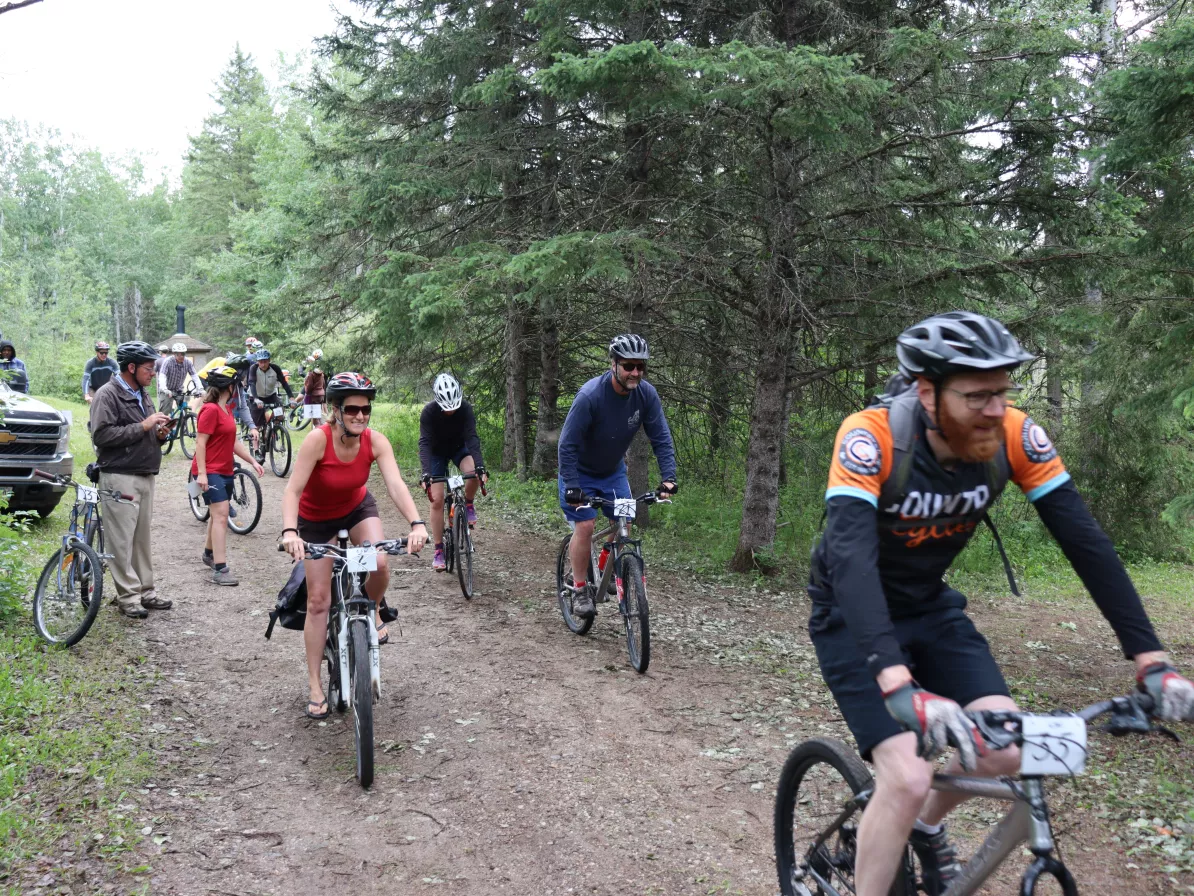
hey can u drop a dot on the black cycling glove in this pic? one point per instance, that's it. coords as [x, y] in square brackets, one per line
[574, 496]
[669, 489]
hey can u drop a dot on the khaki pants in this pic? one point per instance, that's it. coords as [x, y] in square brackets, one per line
[127, 536]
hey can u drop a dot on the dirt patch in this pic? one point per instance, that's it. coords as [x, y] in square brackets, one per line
[513, 756]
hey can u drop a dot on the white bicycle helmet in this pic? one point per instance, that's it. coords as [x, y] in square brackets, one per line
[179, 348]
[448, 394]
[317, 354]
[630, 346]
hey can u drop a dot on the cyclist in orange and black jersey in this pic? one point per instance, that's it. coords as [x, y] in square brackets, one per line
[909, 484]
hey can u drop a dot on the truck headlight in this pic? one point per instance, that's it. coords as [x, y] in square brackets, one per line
[64, 436]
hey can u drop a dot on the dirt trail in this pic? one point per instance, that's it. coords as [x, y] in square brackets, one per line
[513, 757]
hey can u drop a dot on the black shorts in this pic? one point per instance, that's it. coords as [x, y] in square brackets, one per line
[946, 653]
[324, 531]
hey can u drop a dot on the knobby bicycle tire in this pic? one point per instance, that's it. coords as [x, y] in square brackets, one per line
[575, 624]
[279, 449]
[464, 554]
[636, 613]
[186, 430]
[246, 497]
[199, 508]
[362, 699]
[817, 781]
[72, 581]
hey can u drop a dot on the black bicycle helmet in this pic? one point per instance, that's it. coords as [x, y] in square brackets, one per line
[135, 352]
[239, 362]
[344, 384]
[629, 345]
[957, 342]
[221, 377]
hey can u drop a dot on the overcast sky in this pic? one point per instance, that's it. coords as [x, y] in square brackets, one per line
[138, 75]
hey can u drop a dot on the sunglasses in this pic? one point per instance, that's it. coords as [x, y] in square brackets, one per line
[631, 366]
[356, 410]
[101, 353]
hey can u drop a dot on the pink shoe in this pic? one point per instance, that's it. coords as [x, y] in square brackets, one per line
[472, 515]
[438, 562]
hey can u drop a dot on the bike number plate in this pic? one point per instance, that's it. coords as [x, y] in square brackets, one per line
[312, 411]
[625, 508]
[1053, 745]
[88, 495]
[362, 559]
[455, 482]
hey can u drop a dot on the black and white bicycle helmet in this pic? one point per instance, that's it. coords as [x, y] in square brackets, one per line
[135, 352]
[629, 345]
[221, 377]
[342, 385]
[448, 394]
[957, 342]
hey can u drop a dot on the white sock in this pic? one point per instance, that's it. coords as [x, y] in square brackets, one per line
[929, 829]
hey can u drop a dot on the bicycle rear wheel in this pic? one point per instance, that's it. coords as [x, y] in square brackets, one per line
[463, 541]
[187, 434]
[635, 612]
[199, 508]
[94, 534]
[246, 500]
[362, 698]
[331, 688]
[68, 595]
[279, 449]
[576, 624]
[820, 779]
[450, 544]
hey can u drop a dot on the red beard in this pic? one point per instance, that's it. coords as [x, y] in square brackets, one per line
[972, 444]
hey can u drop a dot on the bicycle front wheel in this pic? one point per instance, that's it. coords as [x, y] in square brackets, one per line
[820, 779]
[68, 595]
[362, 698]
[635, 612]
[463, 541]
[279, 450]
[187, 435]
[246, 501]
[576, 624]
[199, 508]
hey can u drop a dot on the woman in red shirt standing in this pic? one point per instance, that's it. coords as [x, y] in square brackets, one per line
[215, 446]
[327, 493]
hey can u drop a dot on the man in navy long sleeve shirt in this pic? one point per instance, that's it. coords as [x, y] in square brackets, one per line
[606, 414]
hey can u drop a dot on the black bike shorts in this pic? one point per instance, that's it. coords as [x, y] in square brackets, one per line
[946, 653]
[324, 531]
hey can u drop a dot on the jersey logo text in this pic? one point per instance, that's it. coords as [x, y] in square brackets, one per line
[927, 506]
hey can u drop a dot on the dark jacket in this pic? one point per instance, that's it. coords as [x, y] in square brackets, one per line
[121, 445]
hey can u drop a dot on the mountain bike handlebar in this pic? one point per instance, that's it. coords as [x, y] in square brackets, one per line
[645, 498]
[119, 497]
[391, 546]
[431, 480]
[1131, 714]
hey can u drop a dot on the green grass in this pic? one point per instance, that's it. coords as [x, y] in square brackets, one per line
[69, 722]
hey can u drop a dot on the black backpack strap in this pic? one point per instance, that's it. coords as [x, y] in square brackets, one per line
[273, 617]
[1007, 564]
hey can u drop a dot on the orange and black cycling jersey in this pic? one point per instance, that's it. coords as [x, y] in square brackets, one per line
[885, 550]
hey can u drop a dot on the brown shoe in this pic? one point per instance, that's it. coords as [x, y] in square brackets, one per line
[133, 611]
[154, 602]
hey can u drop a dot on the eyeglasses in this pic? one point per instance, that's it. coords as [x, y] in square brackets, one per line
[356, 410]
[101, 353]
[976, 401]
[632, 366]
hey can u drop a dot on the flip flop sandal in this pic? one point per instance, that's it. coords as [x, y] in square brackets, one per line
[317, 715]
[383, 639]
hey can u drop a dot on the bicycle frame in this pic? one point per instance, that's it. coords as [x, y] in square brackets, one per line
[342, 613]
[617, 545]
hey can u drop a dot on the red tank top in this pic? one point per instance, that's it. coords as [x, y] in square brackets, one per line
[336, 488]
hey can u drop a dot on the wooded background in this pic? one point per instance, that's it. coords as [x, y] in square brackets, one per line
[768, 191]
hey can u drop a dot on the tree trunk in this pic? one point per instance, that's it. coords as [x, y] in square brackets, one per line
[547, 426]
[514, 445]
[137, 310]
[1053, 386]
[760, 503]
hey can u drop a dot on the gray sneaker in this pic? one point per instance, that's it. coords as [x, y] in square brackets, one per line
[133, 611]
[582, 604]
[224, 577]
[209, 562]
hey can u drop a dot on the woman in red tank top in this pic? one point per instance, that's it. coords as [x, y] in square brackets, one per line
[327, 492]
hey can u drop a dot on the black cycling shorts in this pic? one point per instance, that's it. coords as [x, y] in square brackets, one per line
[946, 653]
[325, 531]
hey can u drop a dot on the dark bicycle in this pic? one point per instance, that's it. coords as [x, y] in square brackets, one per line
[351, 653]
[297, 418]
[624, 576]
[274, 440]
[458, 537]
[244, 503]
[824, 788]
[71, 586]
[182, 425]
